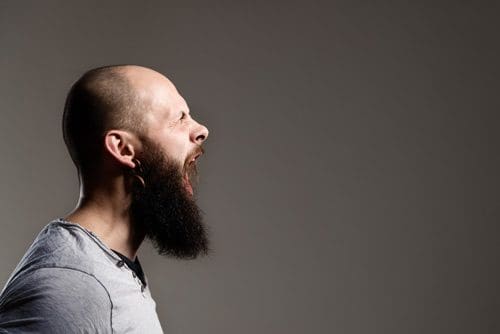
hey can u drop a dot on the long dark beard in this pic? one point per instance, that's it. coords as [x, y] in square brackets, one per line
[164, 210]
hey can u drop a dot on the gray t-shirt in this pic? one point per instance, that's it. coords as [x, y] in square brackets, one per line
[71, 282]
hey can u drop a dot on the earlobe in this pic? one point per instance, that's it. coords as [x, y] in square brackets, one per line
[117, 144]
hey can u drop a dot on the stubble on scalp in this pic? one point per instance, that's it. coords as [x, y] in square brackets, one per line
[102, 99]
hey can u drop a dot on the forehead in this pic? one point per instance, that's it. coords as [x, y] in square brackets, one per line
[156, 95]
[162, 102]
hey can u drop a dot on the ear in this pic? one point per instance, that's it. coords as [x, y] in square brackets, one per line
[120, 145]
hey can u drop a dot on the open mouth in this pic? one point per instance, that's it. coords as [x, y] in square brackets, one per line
[187, 184]
[190, 170]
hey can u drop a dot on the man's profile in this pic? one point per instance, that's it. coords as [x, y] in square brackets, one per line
[134, 143]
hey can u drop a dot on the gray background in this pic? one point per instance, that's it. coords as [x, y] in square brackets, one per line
[351, 176]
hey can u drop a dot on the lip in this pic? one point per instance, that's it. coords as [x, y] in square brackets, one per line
[196, 156]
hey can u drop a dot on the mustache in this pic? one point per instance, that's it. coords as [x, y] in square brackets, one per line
[197, 152]
[190, 167]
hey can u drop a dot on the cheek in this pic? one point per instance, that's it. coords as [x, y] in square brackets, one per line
[175, 146]
[177, 154]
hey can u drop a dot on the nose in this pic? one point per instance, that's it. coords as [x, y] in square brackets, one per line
[199, 134]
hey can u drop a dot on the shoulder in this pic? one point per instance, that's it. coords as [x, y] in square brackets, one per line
[55, 299]
[61, 244]
[57, 280]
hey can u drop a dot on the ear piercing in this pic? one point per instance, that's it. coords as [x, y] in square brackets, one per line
[138, 172]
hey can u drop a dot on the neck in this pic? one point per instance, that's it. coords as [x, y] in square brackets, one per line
[105, 212]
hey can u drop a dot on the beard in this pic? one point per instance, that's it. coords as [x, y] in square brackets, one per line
[164, 210]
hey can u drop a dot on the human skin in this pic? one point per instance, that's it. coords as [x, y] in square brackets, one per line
[103, 207]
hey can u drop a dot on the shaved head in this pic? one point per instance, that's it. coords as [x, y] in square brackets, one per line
[133, 139]
[102, 99]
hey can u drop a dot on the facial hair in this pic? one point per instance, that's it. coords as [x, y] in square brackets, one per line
[164, 210]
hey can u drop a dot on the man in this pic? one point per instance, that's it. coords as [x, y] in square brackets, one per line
[135, 145]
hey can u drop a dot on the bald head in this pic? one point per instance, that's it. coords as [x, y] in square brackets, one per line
[111, 97]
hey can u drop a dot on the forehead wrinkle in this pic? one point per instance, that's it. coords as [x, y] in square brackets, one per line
[159, 98]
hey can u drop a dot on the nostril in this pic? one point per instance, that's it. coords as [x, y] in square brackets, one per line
[200, 137]
[200, 134]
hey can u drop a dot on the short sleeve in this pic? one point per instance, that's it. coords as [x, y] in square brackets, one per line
[55, 300]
